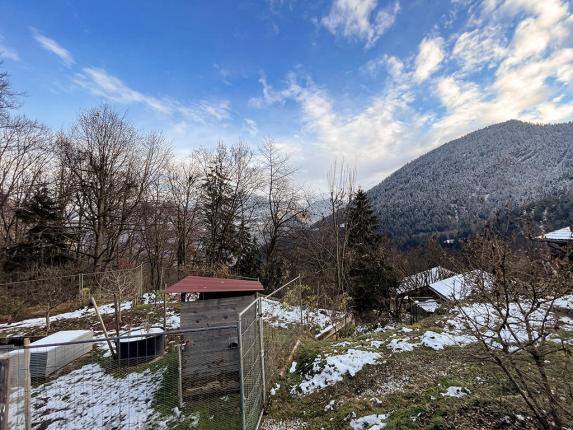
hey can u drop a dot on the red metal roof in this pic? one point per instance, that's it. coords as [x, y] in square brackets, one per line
[202, 284]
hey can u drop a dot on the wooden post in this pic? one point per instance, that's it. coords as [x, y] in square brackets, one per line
[300, 297]
[141, 280]
[179, 378]
[94, 304]
[164, 312]
[4, 391]
[117, 322]
[27, 387]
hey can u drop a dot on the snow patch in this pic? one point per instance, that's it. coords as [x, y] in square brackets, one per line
[438, 341]
[330, 369]
[369, 422]
[401, 345]
[454, 391]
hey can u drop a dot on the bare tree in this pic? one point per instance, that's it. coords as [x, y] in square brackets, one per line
[119, 285]
[23, 157]
[113, 166]
[157, 233]
[183, 180]
[284, 206]
[515, 317]
[341, 189]
[7, 101]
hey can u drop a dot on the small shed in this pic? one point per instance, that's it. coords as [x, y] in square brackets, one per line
[210, 361]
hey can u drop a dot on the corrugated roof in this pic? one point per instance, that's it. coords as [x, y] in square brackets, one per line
[460, 286]
[203, 284]
[563, 234]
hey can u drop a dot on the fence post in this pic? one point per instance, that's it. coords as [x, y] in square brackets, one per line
[141, 280]
[241, 375]
[27, 386]
[4, 391]
[262, 343]
[81, 286]
[180, 379]
[300, 298]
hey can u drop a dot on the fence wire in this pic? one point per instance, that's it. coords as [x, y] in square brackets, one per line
[146, 383]
[49, 295]
[251, 365]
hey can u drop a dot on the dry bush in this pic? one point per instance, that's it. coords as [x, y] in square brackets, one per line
[513, 314]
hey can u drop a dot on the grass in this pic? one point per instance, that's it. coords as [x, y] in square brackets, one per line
[407, 387]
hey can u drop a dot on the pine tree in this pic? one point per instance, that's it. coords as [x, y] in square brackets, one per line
[370, 279]
[46, 242]
[248, 254]
[362, 224]
[218, 216]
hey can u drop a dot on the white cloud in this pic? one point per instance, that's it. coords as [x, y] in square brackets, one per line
[101, 83]
[526, 80]
[54, 47]
[549, 22]
[250, 125]
[360, 19]
[479, 48]
[393, 65]
[6, 52]
[430, 55]
[270, 96]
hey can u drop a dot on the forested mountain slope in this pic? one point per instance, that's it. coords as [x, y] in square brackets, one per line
[453, 189]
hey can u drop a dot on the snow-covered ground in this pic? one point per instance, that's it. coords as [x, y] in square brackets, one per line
[80, 313]
[281, 315]
[89, 398]
[330, 369]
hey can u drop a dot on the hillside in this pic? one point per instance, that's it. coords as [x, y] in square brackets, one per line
[453, 189]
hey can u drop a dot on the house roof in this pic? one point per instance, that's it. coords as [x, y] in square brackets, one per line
[422, 279]
[202, 284]
[458, 287]
[561, 235]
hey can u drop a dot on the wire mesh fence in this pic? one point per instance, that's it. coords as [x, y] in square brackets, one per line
[209, 364]
[140, 381]
[252, 369]
[51, 294]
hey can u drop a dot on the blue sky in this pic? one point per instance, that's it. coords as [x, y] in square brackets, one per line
[376, 83]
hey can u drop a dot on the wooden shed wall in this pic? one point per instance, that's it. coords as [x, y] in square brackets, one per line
[211, 357]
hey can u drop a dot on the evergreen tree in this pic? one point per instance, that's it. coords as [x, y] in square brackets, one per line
[362, 224]
[46, 242]
[248, 254]
[218, 215]
[371, 280]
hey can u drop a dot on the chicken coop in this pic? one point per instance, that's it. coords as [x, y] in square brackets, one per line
[210, 359]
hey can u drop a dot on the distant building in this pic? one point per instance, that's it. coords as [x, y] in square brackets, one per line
[559, 240]
[417, 283]
[427, 291]
[563, 235]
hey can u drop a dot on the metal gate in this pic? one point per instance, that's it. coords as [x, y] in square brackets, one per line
[252, 369]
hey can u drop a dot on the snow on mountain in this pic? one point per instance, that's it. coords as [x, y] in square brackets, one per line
[453, 189]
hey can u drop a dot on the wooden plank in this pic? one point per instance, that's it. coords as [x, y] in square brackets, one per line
[210, 313]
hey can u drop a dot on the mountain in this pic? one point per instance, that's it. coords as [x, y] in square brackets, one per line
[454, 189]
